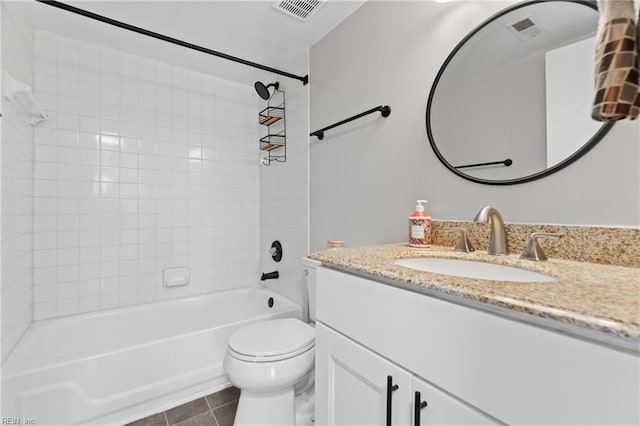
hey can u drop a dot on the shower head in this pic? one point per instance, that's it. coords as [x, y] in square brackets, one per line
[263, 91]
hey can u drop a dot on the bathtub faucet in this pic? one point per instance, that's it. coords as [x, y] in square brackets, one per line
[269, 276]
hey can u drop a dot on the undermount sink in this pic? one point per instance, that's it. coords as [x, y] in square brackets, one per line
[471, 269]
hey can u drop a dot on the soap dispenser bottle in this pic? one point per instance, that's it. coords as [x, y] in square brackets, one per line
[420, 227]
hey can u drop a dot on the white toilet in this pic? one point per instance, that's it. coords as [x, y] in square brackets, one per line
[272, 363]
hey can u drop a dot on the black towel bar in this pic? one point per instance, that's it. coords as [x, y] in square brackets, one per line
[384, 110]
[506, 162]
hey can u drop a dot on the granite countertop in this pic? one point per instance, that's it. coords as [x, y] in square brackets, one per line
[599, 302]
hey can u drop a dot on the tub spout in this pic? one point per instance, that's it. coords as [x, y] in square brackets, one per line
[269, 276]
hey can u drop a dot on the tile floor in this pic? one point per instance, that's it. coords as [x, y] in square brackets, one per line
[217, 409]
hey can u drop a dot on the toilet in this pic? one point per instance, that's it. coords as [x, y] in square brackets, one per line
[272, 363]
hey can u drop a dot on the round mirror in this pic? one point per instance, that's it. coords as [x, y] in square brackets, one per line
[512, 102]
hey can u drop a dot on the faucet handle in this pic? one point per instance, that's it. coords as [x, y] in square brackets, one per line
[464, 244]
[533, 250]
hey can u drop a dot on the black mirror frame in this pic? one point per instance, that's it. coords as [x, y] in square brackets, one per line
[597, 137]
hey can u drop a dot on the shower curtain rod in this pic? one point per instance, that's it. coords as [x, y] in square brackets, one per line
[119, 24]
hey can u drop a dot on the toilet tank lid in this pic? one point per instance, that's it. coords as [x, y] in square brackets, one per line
[272, 338]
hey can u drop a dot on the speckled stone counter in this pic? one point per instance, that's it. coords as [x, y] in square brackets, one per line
[599, 302]
[593, 244]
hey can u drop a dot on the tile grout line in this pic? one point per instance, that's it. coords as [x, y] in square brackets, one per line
[220, 406]
[207, 401]
[211, 411]
[210, 408]
[227, 403]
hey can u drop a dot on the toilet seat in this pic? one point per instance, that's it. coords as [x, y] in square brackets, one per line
[273, 340]
[281, 357]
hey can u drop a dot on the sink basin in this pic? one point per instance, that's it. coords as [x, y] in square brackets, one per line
[470, 269]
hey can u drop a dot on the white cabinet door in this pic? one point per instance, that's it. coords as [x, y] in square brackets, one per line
[432, 406]
[352, 384]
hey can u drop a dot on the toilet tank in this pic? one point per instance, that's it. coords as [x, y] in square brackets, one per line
[310, 266]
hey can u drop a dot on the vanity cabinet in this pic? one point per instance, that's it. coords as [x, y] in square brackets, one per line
[356, 383]
[359, 387]
[471, 366]
[441, 408]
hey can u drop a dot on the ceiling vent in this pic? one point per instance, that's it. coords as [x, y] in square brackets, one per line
[525, 29]
[301, 9]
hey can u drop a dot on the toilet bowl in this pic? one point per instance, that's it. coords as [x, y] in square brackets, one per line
[272, 363]
[266, 361]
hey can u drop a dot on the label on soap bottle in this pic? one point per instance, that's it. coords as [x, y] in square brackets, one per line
[420, 232]
[417, 232]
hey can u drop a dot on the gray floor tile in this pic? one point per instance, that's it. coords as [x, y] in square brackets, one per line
[186, 411]
[204, 419]
[226, 414]
[223, 397]
[153, 420]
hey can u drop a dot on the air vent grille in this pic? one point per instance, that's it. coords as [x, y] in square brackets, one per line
[523, 25]
[526, 28]
[301, 9]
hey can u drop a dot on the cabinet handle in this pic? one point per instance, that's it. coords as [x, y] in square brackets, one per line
[419, 405]
[390, 389]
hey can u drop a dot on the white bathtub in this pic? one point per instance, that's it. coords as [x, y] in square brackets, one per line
[116, 366]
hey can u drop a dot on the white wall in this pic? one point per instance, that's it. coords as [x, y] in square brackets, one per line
[365, 177]
[284, 202]
[17, 183]
[144, 166]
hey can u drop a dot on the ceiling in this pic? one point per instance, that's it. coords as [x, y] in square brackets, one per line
[252, 30]
[496, 45]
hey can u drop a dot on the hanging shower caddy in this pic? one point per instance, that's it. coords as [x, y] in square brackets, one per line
[273, 117]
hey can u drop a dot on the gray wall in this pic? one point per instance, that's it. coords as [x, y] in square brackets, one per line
[365, 177]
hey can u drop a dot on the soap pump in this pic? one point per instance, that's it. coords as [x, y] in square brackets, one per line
[420, 226]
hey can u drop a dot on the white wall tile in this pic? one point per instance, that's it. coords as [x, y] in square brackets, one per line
[284, 200]
[44, 310]
[121, 188]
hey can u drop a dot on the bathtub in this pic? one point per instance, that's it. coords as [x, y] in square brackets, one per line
[116, 366]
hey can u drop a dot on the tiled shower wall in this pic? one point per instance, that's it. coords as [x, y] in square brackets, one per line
[284, 203]
[17, 185]
[144, 166]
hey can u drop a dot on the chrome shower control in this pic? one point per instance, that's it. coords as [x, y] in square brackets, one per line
[276, 251]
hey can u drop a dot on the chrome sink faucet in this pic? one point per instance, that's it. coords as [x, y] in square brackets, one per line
[533, 250]
[498, 240]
